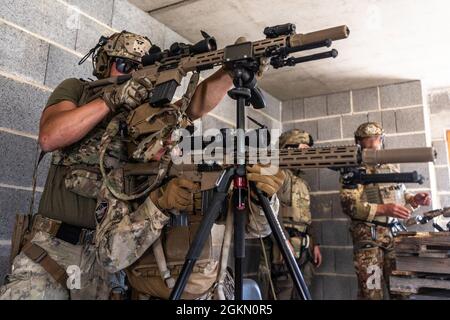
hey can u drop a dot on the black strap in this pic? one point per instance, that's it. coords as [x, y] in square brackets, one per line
[377, 223]
[69, 233]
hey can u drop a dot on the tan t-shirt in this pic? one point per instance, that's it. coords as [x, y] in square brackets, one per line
[57, 202]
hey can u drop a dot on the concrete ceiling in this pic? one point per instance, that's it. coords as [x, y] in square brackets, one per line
[390, 40]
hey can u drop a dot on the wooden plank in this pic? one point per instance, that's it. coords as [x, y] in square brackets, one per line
[420, 264]
[414, 284]
[441, 239]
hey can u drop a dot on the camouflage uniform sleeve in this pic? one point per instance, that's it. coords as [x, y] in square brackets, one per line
[123, 235]
[257, 224]
[354, 207]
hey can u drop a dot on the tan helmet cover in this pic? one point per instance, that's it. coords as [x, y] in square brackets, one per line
[369, 129]
[294, 136]
[120, 45]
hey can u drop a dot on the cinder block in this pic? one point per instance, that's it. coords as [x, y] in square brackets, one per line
[102, 10]
[311, 176]
[422, 169]
[337, 288]
[439, 125]
[317, 288]
[350, 123]
[388, 121]
[298, 106]
[315, 107]
[406, 141]
[442, 179]
[21, 105]
[444, 200]
[442, 153]
[128, 17]
[328, 180]
[336, 233]
[4, 267]
[329, 129]
[89, 34]
[309, 126]
[48, 18]
[338, 103]
[263, 119]
[344, 261]
[316, 227]
[26, 58]
[365, 99]
[328, 261]
[13, 201]
[287, 110]
[374, 116]
[353, 288]
[17, 163]
[411, 119]
[439, 101]
[401, 95]
[62, 65]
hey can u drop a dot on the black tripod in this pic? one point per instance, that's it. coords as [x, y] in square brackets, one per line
[244, 92]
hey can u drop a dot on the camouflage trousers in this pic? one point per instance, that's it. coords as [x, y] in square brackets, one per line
[29, 281]
[373, 260]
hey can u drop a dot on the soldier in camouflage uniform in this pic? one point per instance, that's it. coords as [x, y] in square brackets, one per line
[72, 124]
[128, 229]
[371, 208]
[295, 216]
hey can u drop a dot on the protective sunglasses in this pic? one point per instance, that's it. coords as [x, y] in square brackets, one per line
[125, 65]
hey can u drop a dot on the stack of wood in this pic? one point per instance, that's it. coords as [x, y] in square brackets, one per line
[422, 265]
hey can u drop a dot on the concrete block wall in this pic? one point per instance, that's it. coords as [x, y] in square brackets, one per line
[332, 119]
[41, 44]
[439, 108]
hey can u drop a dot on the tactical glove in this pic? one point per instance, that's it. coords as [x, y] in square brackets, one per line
[266, 180]
[127, 95]
[176, 194]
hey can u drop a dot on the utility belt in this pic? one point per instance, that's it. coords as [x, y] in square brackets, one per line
[63, 231]
[394, 227]
[25, 229]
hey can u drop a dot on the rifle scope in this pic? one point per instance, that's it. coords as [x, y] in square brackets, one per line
[179, 49]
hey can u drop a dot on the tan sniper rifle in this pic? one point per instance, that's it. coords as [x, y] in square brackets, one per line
[346, 159]
[167, 68]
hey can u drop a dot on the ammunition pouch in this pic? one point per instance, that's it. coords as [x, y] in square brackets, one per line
[144, 275]
[84, 182]
[21, 234]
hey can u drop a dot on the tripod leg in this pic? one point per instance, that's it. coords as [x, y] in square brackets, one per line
[240, 211]
[211, 215]
[281, 240]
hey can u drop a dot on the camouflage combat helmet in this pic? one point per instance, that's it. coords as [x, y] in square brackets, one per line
[123, 44]
[295, 137]
[368, 129]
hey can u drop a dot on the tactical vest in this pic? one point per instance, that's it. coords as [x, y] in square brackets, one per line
[295, 203]
[384, 193]
[74, 178]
